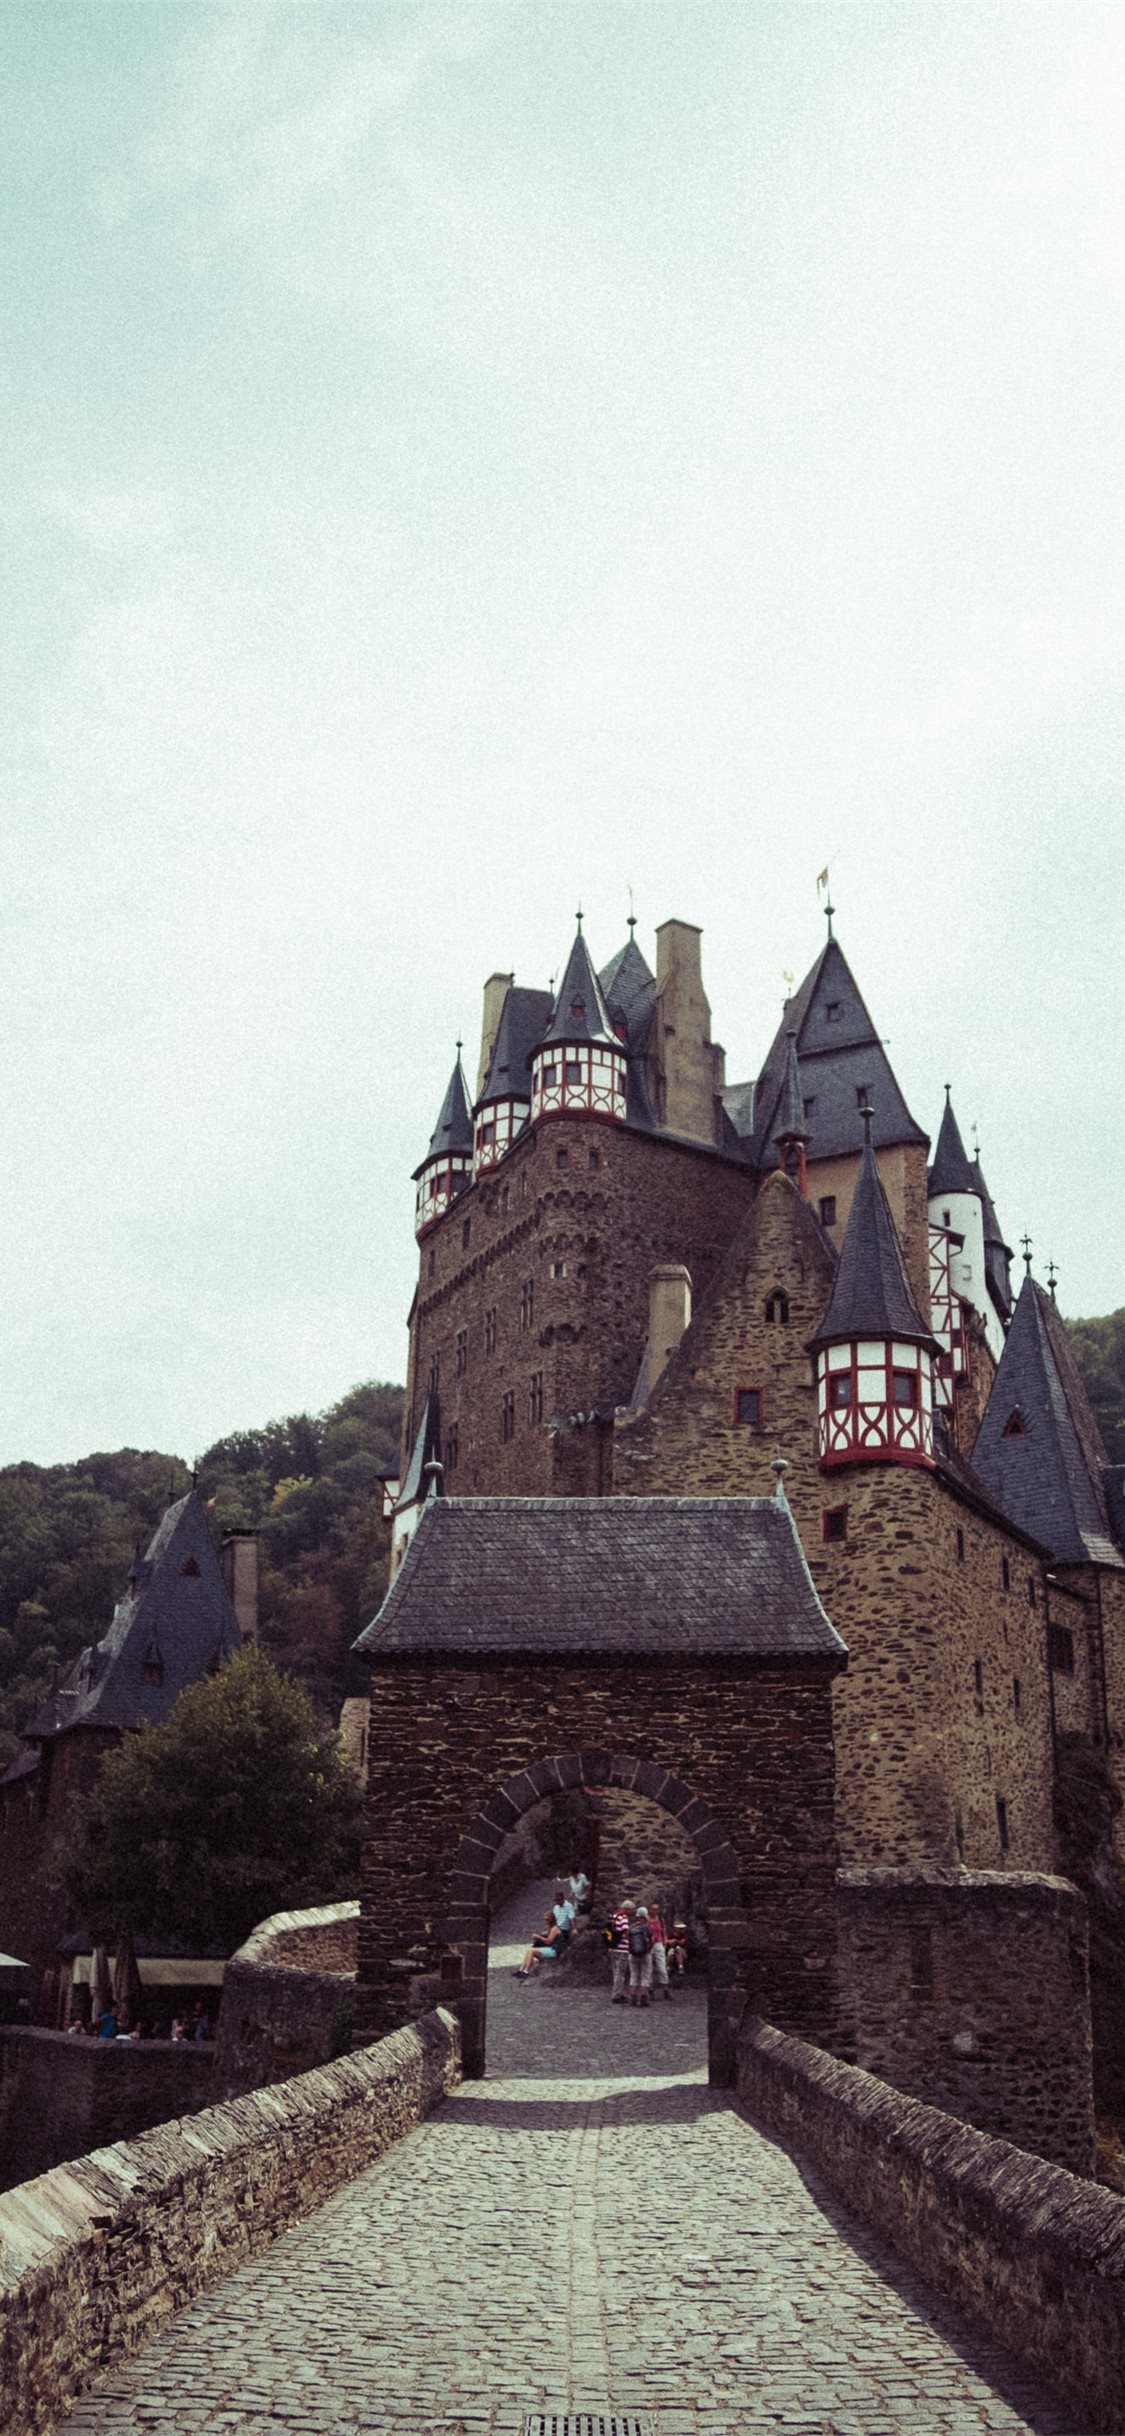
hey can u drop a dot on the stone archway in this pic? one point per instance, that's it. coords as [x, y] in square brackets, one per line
[465, 1927]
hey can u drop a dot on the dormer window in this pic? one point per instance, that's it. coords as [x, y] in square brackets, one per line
[1015, 1426]
[862, 1094]
[550, 1077]
[572, 1070]
[153, 1668]
[833, 1012]
[578, 1009]
[191, 1569]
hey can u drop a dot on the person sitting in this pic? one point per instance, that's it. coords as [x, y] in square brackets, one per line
[554, 1939]
[675, 1948]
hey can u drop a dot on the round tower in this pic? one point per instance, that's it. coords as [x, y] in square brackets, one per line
[874, 1353]
[579, 1066]
[448, 1164]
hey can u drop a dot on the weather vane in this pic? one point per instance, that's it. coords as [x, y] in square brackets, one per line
[1025, 1243]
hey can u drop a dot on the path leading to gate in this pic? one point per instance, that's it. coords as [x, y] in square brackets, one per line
[591, 2226]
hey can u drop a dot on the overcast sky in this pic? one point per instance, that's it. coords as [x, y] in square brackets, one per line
[463, 461]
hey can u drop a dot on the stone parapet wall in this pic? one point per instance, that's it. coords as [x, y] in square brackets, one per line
[96, 2255]
[1031, 2250]
[60, 2096]
[287, 1998]
[970, 1989]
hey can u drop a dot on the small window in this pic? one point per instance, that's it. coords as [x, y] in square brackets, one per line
[466, 1231]
[748, 1406]
[535, 1398]
[833, 1012]
[153, 1668]
[946, 1218]
[578, 1008]
[462, 1352]
[904, 1389]
[488, 1130]
[1006, 1572]
[550, 1077]
[960, 1547]
[490, 1330]
[435, 1373]
[508, 1416]
[452, 1448]
[777, 1309]
[1032, 1594]
[834, 1522]
[809, 1105]
[1002, 1822]
[1015, 1426]
[562, 1158]
[190, 1569]
[558, 1268]
[1060, 1649]
[572, 1070]
[978, 1678]
[840, 1390]
[594, 1161]
[1017, 1695]
[828, 1209]
[862, 1094]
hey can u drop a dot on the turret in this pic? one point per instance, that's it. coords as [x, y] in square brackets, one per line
[791, 1132]
[957, 1212]
[504, 1105]
[448, 1164]
[579, 1067]
[997, 1254]
[874, 1352]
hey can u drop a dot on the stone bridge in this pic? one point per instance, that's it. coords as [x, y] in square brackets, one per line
[588, 2227]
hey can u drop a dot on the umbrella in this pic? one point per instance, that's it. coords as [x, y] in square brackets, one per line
[126, 1982]
[101, 1993]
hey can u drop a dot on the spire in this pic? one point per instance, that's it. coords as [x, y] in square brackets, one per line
[840, 1056]
[1039, 1450]
[951, 1172]
[454, 1128]
[997, 1253]
[872, 1296]
[791, 1133]
[580, 1012]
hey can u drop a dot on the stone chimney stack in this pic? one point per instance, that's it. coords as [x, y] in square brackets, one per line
[495, 991]
[669, 1313]
[689, 1066]
[240, 1573]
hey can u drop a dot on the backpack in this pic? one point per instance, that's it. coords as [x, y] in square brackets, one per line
[640, 1941]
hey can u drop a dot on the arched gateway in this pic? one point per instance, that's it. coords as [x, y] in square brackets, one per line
[675, 1647]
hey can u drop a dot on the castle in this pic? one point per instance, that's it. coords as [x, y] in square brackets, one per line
[637, 1281]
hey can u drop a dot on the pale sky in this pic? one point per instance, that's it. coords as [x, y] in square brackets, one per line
[464, 461]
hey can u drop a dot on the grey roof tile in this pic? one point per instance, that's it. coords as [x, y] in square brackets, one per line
[841, 1060]
[1049, 1474]
[872, 1295]
[951, 1172]
[605, 1576]
[454, 1128]
[523, 1020]
[580, 1012]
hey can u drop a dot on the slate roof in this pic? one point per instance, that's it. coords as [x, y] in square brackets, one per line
[667, 1577]
[580, 1012]
[840, 1059]
[872, 1295]
[629, 990]
[523, 1019]
[1050, 1476]
[997, 1253]
[426, 1449]
[175, 1608]
[951, 1172]
[790, 1121]
[454, 1128]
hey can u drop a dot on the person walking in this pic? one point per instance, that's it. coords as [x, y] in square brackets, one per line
[619, 1948]
[659, 1954]
[640, 1957]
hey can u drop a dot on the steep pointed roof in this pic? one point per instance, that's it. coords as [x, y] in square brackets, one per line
[522, 1020]
[425, 1451]
[1048, 1471]
[629, 990]
[790, 1122]
[951, 1172]
[872, 1296]
[580, 1012]
[840, 1060]
[173, 1616]
[454, 1128]
[997, 1253]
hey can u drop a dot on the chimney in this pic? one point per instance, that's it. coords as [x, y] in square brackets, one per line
[669, 1313]
[689, 1064]
[240, 1573]
[496, 989]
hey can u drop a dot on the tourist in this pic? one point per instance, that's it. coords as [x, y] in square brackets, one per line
[619, 1947]
[640, 1957]
[180, 2027]
[659, 1955]
[676, 1949]
[552, 1943]
[580, 1890]
[107, 2023]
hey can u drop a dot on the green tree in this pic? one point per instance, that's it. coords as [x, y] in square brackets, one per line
[239, 1805]
[1098, 1346]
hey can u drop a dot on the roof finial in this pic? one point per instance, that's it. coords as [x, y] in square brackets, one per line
[1052, 1274]
[1025, 1243]
[779, 1468]
[829, 908]
[867, 1112]
[632, 915]
[433, 1473]
[579, 917]
[460, 1044]
[949, 1091]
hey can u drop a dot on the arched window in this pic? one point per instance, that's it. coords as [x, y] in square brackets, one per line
[777, 1309]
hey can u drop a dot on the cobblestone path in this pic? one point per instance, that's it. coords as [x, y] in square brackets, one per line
[590, 2226]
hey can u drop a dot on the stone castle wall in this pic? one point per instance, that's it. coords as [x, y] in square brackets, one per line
[1028, 2248]
[287, 1998]
[60, 2096]
[95, 2256]
[972, 1992]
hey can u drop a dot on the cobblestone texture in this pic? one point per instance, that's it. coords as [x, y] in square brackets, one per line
[588, 2225]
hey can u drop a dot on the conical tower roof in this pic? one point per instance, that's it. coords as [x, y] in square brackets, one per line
[951, 1172]
[580, 1012]
[454, 1128]
[997, 1253]
[840, 1061]
[519, 1031]
[872, 1296]
[790, 1124]
[629, 990]
[1039, 1449]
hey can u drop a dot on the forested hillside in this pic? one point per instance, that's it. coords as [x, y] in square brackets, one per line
[308, 1485]
[1099, 1350]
